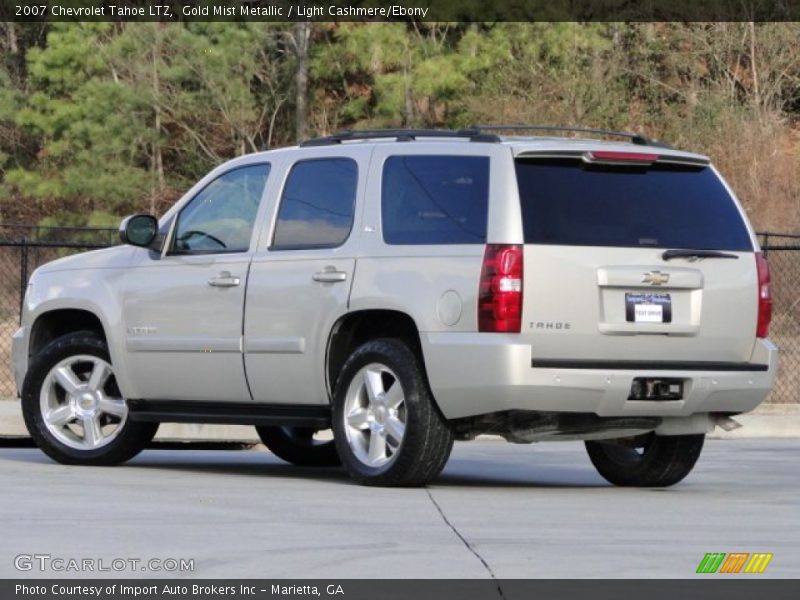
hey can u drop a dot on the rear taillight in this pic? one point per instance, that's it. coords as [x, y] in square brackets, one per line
[764, 296]
[500, 291]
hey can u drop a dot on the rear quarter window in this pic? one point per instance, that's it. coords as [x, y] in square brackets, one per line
[566, 202]
[428, 199]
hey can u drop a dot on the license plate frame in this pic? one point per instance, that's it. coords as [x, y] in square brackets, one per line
[648, 307]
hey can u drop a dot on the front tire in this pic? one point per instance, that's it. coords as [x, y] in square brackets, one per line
[387, 428]
[73, 408]
[646, 461]
[296, 445]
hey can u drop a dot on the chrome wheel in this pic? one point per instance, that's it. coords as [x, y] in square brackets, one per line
[375, 415]
[386, 426]
[80, 403]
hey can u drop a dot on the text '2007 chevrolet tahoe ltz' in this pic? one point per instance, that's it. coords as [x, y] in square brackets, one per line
[410, 288]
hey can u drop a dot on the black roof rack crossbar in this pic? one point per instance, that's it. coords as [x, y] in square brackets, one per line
[402, 135]
[636, 138]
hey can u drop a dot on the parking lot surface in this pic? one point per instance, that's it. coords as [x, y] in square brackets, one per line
[497, 510]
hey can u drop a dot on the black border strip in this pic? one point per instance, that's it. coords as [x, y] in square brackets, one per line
[401, 11]
[699, 587]
[645, 365]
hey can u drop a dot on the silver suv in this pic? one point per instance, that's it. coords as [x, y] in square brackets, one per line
[409, 288]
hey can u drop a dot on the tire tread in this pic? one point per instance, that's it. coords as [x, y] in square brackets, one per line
[666, 462]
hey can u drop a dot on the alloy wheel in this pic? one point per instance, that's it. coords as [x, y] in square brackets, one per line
[81, 404]
[375, 415]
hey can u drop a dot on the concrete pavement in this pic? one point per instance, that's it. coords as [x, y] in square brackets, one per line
[511, 511]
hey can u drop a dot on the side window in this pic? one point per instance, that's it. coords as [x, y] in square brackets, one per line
[221, 217]
[435, 199]
[317, 204]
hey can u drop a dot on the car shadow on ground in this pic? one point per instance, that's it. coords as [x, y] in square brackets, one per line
[257, 464]
[542, 479]
[460, 472]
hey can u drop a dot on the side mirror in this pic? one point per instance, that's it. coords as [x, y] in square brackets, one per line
[138, 230]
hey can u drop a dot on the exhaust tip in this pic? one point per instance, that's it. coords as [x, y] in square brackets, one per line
[726, 423]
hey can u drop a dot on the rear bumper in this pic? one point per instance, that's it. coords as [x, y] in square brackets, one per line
[474, 374]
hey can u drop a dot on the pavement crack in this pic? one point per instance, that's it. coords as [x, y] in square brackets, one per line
[466, 543]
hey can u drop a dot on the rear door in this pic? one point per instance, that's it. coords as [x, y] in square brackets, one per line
[605, 278]
[300, 278]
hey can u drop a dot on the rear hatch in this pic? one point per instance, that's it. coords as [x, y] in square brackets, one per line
[616, 265]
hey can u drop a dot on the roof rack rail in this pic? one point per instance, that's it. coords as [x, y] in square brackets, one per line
[635, 138]
[402, 135]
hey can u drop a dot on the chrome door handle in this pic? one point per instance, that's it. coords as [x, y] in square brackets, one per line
[225, 280]
[329, 276]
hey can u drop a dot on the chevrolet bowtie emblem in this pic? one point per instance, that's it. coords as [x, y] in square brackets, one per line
[655, 278]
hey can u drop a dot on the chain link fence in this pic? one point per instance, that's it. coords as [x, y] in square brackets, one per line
[23, 248]
[783, 255]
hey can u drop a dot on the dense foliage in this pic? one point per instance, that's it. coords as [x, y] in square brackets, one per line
[99, 120]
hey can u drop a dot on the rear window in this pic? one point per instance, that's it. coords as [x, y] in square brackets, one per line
[435, 199]
[568, 202]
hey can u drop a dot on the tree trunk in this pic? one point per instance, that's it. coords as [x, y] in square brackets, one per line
[157, 158]
[302, 34]
[15, 55]
[11, 38]
[753, 69]
[408, 96]
[408, 104]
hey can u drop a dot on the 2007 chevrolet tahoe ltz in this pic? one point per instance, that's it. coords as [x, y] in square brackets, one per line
[409, 288]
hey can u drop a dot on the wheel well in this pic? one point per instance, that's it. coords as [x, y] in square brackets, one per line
[54, 324]
[359, 327]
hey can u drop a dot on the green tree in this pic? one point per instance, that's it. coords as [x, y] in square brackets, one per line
[86, 125]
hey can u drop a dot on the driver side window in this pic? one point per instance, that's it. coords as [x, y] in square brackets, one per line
[221, 217]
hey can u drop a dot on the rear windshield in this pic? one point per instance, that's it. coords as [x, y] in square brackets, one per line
[568, 202]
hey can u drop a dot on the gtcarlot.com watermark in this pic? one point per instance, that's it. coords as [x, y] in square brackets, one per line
[45, 563]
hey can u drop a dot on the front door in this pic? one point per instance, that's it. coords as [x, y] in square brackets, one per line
[183, 312]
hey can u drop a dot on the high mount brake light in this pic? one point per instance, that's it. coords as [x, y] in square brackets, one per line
[500, 289]
[612, 157]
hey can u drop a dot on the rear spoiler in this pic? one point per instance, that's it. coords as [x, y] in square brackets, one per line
[614, 157]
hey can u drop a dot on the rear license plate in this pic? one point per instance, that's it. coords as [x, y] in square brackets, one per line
[648, 308]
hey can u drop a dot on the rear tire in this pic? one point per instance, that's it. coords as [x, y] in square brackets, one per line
[296, 445]
[387, 428]
[646, 461]
[73, 408]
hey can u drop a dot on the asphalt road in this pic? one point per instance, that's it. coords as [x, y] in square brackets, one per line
[511, 511]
